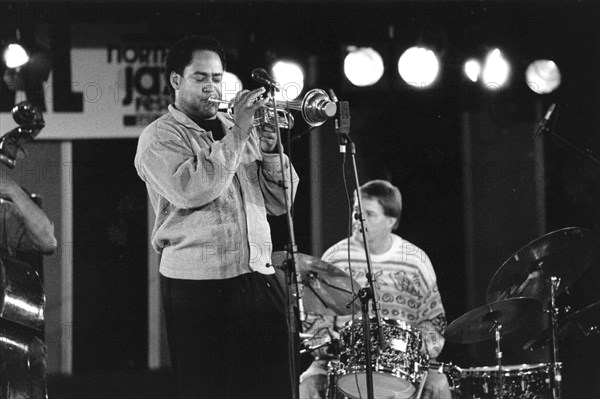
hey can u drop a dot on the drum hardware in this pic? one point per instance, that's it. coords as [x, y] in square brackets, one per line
[582, 323]
[556, 380]
[334, 343]
[497, 329]
[497, 319]
[452, 372]
[538, 270]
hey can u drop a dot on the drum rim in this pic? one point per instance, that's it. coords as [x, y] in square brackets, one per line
[511, 367]
[397, 373]
[406, 383]
[385, 320]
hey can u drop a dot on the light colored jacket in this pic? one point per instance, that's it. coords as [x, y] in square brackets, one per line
[211, 198]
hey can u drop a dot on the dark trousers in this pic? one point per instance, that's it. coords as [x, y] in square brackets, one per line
[228, 339]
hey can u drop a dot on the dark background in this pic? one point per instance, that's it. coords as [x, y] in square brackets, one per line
[412, 138]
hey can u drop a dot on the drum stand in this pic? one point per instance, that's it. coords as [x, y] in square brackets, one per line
[497, 335]
[556, 376]
[555, 281]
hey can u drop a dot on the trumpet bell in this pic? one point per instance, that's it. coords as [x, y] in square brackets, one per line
[317, 107]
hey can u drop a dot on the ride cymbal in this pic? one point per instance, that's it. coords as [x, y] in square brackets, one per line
[564, 253]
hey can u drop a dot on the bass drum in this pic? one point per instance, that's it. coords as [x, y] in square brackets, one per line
[396, 369]
[524, 381]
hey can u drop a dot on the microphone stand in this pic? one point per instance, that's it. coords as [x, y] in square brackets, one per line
[367, 293]
[292, 277]
[587, 154]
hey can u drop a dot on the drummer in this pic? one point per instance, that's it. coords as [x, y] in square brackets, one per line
[404, 280]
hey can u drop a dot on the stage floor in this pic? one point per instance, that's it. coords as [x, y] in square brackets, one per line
[115, 385]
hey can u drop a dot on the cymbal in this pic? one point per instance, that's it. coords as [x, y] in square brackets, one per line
[479, 324]
[326, 289]
[564, 253]
[582, 323]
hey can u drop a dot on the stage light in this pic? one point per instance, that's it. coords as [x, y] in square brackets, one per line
[496, 70]
[291, 78]
[472, 69]
[30, 77]
[15, 56]
[363, 66]
[418, 66]
[543, 76]
[230, 86]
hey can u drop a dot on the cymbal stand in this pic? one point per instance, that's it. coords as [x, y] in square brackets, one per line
[342, 129]
[497, 334]
[556, 380]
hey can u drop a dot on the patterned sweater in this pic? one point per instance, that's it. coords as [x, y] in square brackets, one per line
[406, 286]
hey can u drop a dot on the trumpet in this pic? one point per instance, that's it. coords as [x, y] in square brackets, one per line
[316, 107]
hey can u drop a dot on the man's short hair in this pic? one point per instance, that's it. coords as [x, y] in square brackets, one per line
[180, 54]
[387, 195]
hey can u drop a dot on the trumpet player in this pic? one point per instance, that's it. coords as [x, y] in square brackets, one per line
[212, 181]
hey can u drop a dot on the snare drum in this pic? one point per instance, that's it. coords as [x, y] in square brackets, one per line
[396, 369]
[524, 381]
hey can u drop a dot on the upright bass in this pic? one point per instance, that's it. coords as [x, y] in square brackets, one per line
[22, 299]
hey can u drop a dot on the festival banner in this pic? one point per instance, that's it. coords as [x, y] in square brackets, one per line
[121, 88]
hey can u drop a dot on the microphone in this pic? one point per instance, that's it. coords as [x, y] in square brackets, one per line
[543, 126]
[259, 75]
[344, 117]
[342, 123]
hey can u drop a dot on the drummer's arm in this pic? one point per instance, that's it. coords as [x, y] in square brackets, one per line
[433, 323]
[436, 384]
[432, 333]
